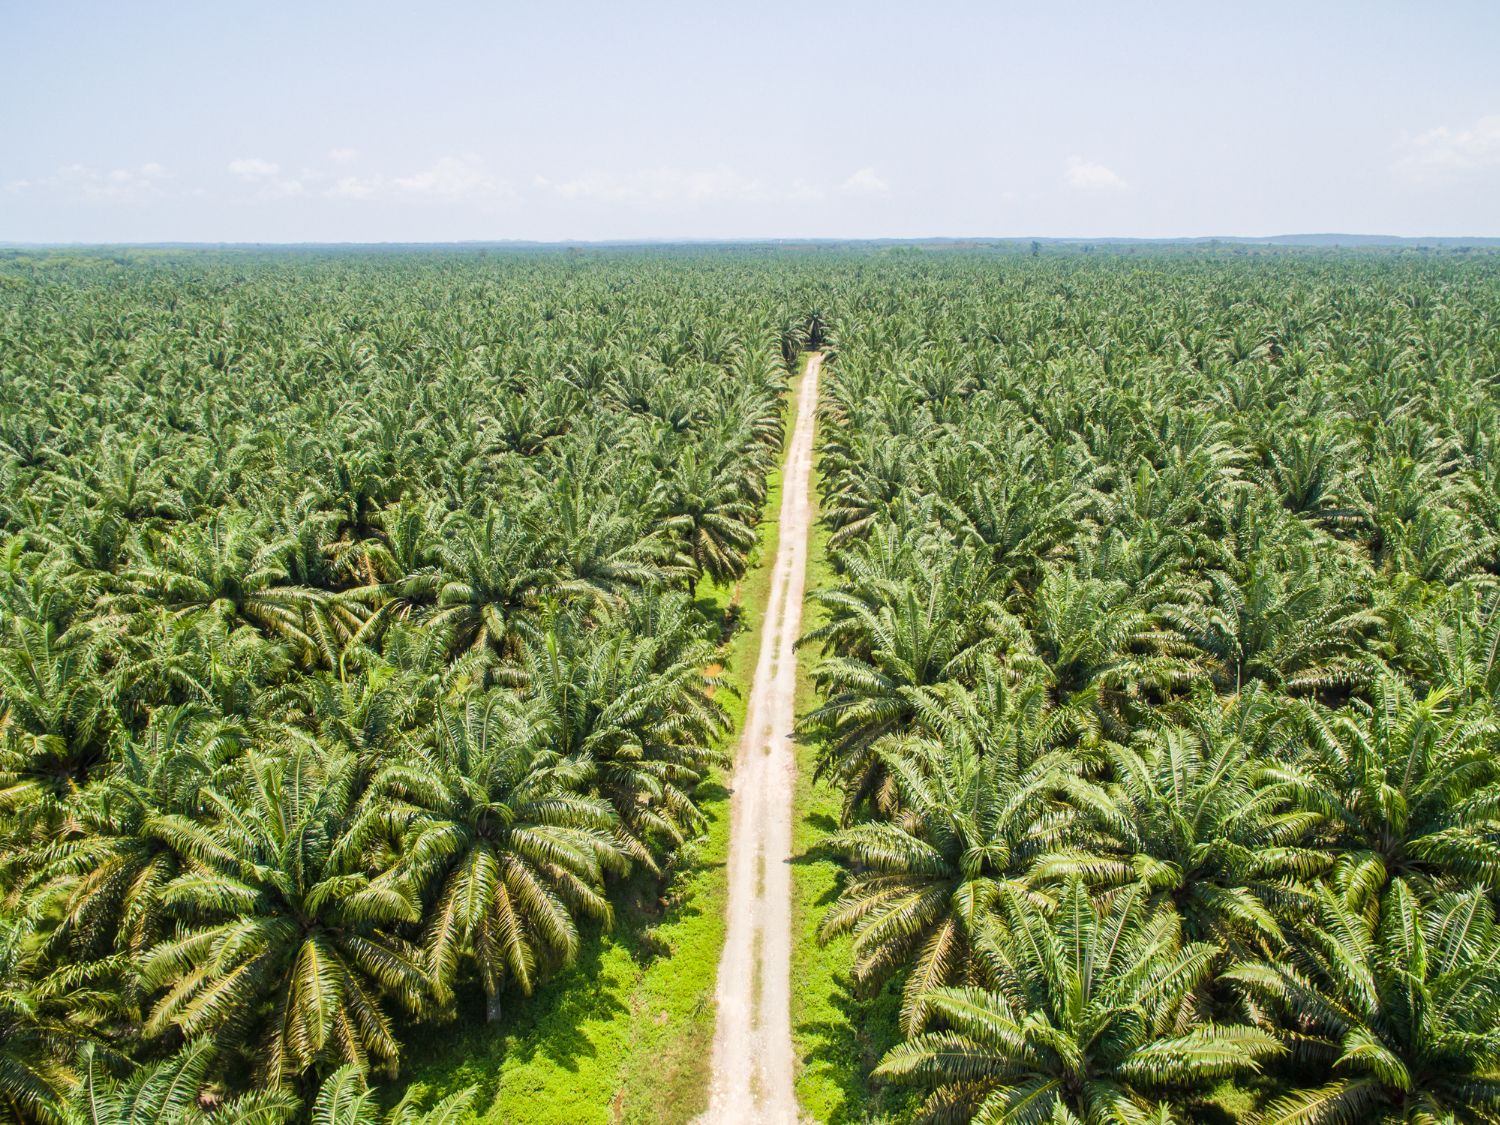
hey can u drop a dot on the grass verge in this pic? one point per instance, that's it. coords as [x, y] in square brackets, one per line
[837, 1036]
[622, 1035]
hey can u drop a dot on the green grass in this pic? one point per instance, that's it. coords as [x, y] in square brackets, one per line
[624, 1034]
[837, 1035]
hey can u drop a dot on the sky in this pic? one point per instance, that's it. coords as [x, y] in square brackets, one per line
[324, 121]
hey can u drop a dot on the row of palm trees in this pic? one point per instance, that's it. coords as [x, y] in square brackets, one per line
[1161, 678]
[351, 652]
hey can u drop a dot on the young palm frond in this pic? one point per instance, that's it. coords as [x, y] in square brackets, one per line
[346, 1099]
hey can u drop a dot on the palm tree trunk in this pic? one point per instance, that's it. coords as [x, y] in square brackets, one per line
[493, 1005]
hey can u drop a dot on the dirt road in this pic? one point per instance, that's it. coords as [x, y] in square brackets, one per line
[752, 1062]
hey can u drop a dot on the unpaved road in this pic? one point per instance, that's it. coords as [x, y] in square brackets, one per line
[752, 1063]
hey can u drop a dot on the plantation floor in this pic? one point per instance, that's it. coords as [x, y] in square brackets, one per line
[752, 1057]
[621, 1036]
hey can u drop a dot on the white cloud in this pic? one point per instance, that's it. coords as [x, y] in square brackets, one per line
[1088, 175]
[343, 155]
[866, 181]
[1446, 152]
[690, 186]
[253, 168]
[450, 179]
[355, 187]
[266, 177]
[84, 182]
[282, 189]
[658, 185]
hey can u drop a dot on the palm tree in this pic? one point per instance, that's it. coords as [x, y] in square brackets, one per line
[288, 945]
[702, 506]
[1398, 1012]
[156, 660]
[346, 1099]
[31, 1077]
[494, 578]
[1192, 816]
[515, 855]
[229, 566]
[128, 477]
[1289, 621]
[923, 886]
[55, 716]
[1454, 643]
[1405, 787]
[1087, 1016]
[1303, 461]
[862, 485]
[602, 550]
[46, 1014]
[1020, 517]
[174, 1091]
[397, 571]
[890, 642]
[636, 715]
[103, 880]
[1100, 648]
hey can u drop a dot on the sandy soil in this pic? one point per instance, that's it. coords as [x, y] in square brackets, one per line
[752, 1061]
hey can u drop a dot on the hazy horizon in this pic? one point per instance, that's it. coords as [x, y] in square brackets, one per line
[584, 122]
[1287, 240]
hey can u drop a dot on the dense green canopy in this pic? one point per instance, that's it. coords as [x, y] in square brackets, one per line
[360, 620]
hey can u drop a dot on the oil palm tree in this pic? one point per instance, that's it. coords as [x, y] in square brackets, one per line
[703, 507]
[174, 1091]
[494, 579]
[396, 571]
[924, 885]
[1289, 621]
[602, 551]
[890, 642]
[1100, 647]
[1454, 643]
[637, 716]
[230, 566]
[32, 1075]
[288, 945]
[1405, 787]
[1087, 1017]
[55, 716]
[515, 854]
[102, 881]
[1193, 816]
[46, 1014]
[1398, 1013]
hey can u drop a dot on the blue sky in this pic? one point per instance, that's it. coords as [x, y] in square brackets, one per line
[312, 121]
